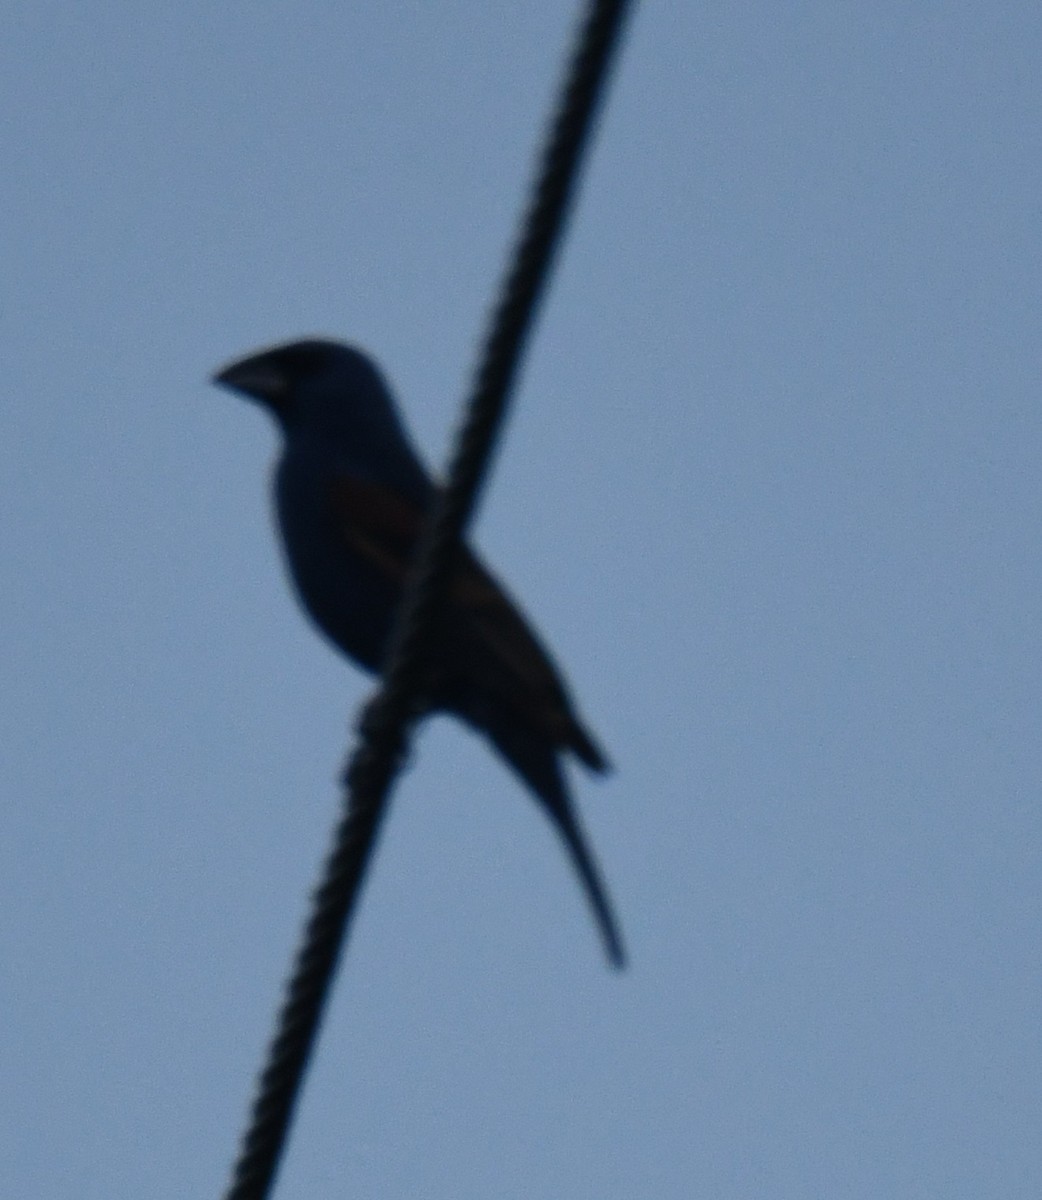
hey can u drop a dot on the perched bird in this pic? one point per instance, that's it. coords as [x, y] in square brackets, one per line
[351, 494]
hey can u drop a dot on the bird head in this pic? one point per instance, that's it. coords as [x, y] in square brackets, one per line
[282, 377]
[331, 398]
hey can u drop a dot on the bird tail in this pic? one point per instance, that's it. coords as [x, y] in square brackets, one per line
[538, 763]
[581, 743]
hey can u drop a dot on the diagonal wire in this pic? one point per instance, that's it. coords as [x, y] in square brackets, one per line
[389, 718]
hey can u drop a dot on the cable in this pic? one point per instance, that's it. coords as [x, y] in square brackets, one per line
[388, 719]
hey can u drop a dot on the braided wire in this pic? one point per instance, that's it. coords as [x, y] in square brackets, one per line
[388, 719]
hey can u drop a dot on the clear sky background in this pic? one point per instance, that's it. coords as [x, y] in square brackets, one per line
[772, 490]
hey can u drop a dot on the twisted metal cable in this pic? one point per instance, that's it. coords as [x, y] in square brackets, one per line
[389, 718]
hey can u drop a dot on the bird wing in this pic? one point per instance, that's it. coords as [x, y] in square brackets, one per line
[497, 648]
[378, 524]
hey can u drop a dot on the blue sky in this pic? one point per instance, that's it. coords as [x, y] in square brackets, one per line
[771, 490]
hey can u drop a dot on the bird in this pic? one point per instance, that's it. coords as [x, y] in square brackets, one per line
[351, 493]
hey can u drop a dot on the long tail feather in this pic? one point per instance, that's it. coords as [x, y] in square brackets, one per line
[538, 764]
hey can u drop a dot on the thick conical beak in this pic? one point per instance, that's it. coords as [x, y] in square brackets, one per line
[257, 377]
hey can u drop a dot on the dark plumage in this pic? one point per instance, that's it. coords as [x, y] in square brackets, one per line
[351, 494]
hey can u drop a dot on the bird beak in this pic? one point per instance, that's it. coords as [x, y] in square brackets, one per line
[257, 377]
